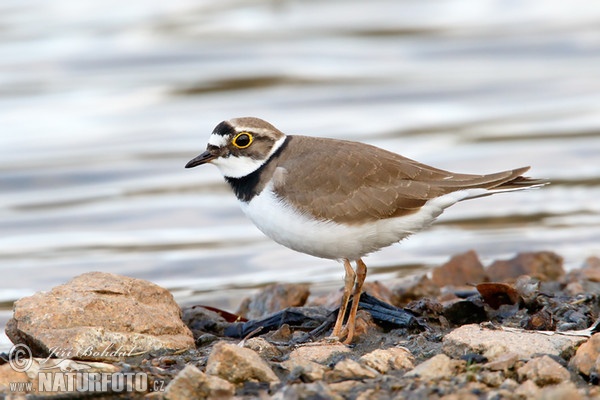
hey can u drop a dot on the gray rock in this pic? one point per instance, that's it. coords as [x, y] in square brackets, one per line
[99, 316]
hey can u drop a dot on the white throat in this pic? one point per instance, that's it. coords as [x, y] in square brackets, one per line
[237, 167]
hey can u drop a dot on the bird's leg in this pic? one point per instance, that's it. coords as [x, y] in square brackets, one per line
[349, 279]
[361, 274]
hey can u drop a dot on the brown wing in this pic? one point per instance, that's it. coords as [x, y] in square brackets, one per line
[354, 182]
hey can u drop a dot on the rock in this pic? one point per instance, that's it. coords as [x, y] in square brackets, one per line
[191, 383]
[273, 298]
[237, 364]
[587, 357]
[437, 367]
[565, 390]
[543, 371]
[99, 316]
[265, 349]
[8, 376]
[503, 362]
[528, 390]
[349, 369]
[389, 359]
[544, 265]
[414, 288]
[320, 353]
[316, 391]
[461, 270]
[591, 269]
[493, 343]
[201, 320]
[305, 370]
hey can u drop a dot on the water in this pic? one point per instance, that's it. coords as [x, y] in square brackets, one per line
[103, 102]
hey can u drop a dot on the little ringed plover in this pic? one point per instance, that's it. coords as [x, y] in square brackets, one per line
[338, 199]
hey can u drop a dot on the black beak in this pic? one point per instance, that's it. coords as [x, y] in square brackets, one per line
[203, 158]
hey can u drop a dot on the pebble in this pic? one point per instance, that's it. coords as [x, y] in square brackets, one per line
[587, 357]
[238, 364]
[191, 383]
[543, 371]
[384, 360]
[438, 367]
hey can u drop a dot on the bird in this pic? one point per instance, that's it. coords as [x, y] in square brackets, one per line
[338, 199]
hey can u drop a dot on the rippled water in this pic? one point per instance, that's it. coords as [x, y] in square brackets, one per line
[103, 102]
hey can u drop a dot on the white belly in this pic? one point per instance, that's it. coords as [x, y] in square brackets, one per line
[288, 227]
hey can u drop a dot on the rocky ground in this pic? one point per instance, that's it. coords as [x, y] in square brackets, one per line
[518, 329]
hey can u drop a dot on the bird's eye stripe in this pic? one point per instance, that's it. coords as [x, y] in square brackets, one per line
[242, 140]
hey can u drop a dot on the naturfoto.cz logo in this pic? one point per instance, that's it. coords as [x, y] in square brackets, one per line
[64, 375]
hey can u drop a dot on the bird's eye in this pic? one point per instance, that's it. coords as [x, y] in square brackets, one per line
[242, 140]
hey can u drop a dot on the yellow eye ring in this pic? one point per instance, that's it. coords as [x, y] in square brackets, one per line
[242, 140]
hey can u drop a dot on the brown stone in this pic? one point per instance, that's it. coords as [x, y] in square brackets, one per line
[99, 316]
[237, 364]
[265, 349]
[384, 360]
[503, 362]
[319, 352]
[591, 269]
[494, 343]
[543, 371]
[544, 265]
[414, 288]
[437, 367]
[273, 298]
[349, 369]
[191, 383]
[460, 270]
[587, 355]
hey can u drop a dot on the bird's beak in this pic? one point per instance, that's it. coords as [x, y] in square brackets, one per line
[203, 158]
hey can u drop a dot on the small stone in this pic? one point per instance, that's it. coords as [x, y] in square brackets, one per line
[438, 367]
[349, 369]
[7, 376]
[192, 383]
[273, 298]
[504, 362]
[316, 390]
[587, 355]
[460, 270]
[248, 364]
[492, 379]
[265, 349]
[493, 343]
[414, 288]
[544, 265]
[389, 359]
[99, 316]
[320, 353]
[528, 390]
[564, 390]
[306, 370]
[591, 269]
[543, 371]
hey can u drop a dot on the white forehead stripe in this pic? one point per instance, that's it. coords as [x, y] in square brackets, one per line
[217, 140]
